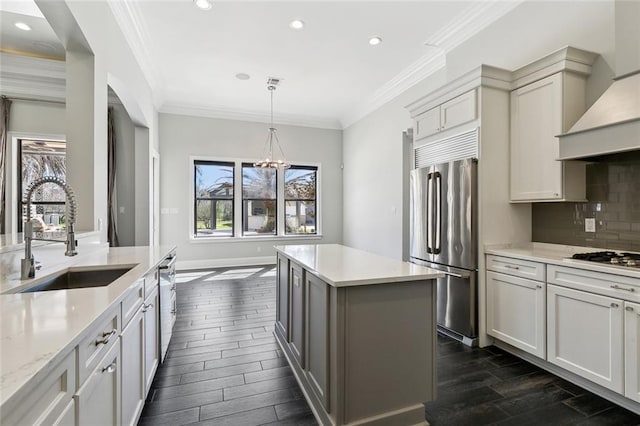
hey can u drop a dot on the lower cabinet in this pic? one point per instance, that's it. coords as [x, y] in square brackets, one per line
[68, 416]
[297, 337]
[133, 372]
[516, 312]
[317, 331]
[282, 289]
[151, 311]
[98, 400]
[585, 335]
[632, 350]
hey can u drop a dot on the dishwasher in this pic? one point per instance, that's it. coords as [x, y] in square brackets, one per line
[167, 272]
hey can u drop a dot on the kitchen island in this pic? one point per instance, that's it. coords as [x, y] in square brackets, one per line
[72, 356]
[359, 331]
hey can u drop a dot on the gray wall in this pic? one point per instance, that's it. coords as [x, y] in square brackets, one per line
[37, 117]
[125, 175]
[613, 191]
[372, 146]
[185, 136]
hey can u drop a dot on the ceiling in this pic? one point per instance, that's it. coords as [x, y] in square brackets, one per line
[40, 41]
[330, 75]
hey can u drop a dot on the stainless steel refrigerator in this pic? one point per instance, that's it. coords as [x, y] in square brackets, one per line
[444, 236]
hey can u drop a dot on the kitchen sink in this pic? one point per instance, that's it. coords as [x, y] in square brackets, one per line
[79, 279]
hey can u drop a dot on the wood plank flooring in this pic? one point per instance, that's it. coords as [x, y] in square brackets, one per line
[224, 368]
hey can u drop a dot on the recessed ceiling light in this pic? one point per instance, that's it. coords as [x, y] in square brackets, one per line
[203, 4]
[243, 76]
[23, 26]
[296, 24]
[374, 41]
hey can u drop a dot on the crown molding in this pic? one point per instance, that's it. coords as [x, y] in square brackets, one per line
[468, 23]
[254, 116]
[30, 77]
[131, 23]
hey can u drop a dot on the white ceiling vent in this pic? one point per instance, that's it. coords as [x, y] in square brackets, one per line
[273, 81]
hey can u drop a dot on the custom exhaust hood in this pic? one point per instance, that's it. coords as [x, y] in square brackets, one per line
[612, 124]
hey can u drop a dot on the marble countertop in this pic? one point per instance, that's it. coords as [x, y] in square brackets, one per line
[343, 266]
[39, 328]
[557, 254]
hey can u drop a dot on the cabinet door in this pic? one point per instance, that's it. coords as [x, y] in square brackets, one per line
[133, 378]
[297, 313]
[516, 312]
[282, 297]
[459, 110]
[585, 335]
[68, 416]
[98, 400]
[632, 350]
[428, 123]
[151, 337]
[317, 320]
[536, 119]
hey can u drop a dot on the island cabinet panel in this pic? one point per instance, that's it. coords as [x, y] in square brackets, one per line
[317, 320]
[282, 289]
[632, 350]
[151, 337]
[297, 313]
[133, 379]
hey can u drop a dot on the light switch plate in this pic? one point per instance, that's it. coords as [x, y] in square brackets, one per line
[589, 224]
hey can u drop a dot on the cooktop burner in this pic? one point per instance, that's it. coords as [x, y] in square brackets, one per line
[631, 260]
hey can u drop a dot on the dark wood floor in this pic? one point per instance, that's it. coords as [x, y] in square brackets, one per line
[224, 368]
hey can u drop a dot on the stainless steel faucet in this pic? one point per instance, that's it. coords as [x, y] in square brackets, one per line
[28, 263]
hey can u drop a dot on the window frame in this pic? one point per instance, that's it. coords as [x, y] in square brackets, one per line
[238, 204]
[245, 213]
[195, 199]
[314, 199]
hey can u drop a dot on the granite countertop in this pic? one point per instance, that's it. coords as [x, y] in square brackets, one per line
[342, 266]
[38, 328]
[557, 254]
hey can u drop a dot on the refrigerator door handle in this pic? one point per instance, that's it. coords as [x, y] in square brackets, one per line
[437, 243]
[429, 213]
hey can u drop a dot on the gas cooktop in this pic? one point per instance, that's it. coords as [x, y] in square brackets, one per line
[630, 260]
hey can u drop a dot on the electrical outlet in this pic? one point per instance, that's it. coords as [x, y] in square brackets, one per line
[589, 224]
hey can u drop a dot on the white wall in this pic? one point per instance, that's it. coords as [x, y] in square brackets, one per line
[372, 147]
[185, 136]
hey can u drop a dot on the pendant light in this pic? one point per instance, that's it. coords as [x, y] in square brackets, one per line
[269, 160]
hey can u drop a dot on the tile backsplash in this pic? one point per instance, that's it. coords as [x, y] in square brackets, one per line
[613, 191]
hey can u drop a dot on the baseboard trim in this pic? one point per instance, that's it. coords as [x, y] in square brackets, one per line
[186, 265]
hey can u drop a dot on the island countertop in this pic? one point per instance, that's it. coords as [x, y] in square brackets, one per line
[342, 266]
[36, 328]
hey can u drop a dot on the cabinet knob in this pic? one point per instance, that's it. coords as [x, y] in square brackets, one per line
[110, 368]
[614, 305]
[629, 309]
[538, 285]
[106, 336]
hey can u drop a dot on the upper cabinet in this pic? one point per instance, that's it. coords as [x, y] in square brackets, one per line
[548, 98]
[452, 113]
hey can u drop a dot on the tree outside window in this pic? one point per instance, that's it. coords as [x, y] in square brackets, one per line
[300, 200]
[213, 199]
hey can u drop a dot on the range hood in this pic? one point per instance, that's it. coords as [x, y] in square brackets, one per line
[612, 124]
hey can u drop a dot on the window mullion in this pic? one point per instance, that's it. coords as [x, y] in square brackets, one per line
[280, 202]
[237, 199]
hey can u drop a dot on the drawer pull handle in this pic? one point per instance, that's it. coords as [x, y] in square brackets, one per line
[512, 267]
[614, 305]
[629, 309]
[106, 336]
[146, 307]
[617, 287]
[173, 288]
[173, 311]
[110, 368]
[538, 286]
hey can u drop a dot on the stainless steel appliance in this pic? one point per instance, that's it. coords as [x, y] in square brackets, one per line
[444, 236]
[167, 271]
[625, 260]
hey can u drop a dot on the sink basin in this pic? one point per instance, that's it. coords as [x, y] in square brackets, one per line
[79, 279]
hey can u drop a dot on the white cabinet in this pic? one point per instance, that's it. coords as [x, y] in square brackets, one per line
[452, 113]
[151, 336]
[516, 312]
[539, 112]
[632, 350]
[585, 335]
[133, 373]
[98, 400]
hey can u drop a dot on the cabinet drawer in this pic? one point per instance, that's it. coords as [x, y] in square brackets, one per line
[517, 267]
[606, 284]
[49, 399]
[97, 342]
[132, 302]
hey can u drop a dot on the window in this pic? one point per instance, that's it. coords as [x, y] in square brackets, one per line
[259, 200]
[39, 158]
[234, 199]
[214, 187]
[300, 200]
